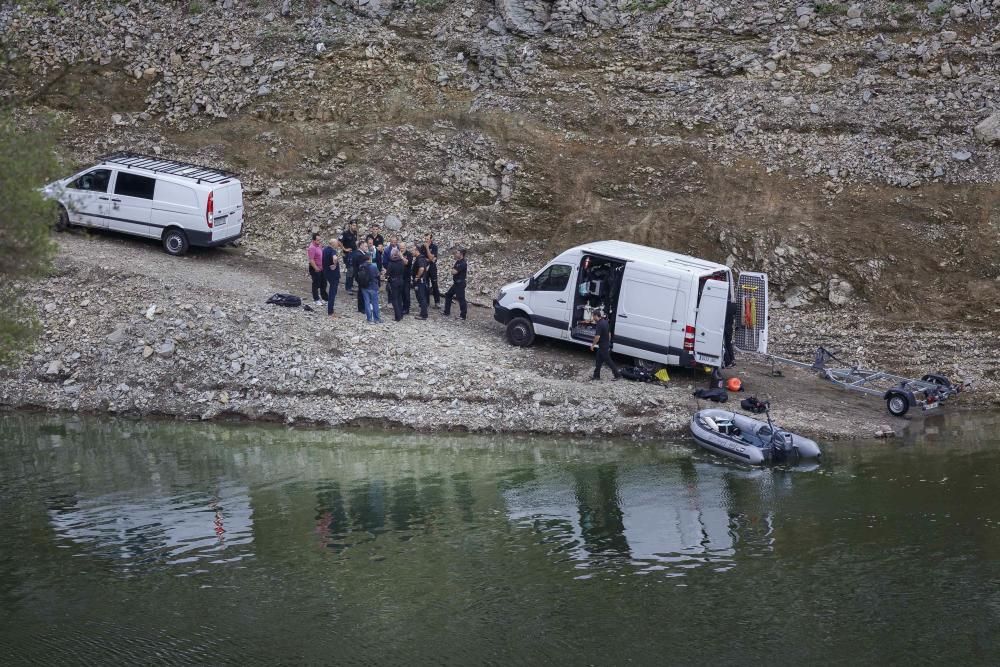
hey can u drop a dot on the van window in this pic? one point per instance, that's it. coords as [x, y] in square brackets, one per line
[133, 185]
[93, 181]
[177, 195]
[553, 279]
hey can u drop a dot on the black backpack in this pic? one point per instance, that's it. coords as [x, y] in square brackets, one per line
[362, 276]
[636, 374]
[752, 404]
[287, 300]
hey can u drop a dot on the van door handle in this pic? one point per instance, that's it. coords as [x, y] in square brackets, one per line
[561, 300]
[104, 198]
[117, 201]
[623, 316]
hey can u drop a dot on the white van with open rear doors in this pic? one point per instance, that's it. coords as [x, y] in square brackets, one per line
[662, 307]
[177, 203]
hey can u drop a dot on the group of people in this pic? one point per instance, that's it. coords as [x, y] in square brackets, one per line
[366, 263]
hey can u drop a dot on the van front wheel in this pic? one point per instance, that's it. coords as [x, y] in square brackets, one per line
[520, 332]
[175, 242]
[62, 222]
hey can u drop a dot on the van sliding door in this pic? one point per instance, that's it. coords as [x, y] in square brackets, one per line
[644, 316]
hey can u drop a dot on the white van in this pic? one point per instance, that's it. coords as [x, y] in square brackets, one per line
[178, 203]
[663, 308]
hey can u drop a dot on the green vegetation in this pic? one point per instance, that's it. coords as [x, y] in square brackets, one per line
[940, 10]
[830, 8]
[27, 162]
[195, 7]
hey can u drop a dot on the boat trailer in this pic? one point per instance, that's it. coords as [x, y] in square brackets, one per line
[899, 393]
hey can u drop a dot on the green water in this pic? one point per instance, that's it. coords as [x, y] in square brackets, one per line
[163, 543]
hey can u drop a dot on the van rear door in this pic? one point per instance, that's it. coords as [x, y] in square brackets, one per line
[751, 322]
[711, 322]
[644, 315]
[227, 210]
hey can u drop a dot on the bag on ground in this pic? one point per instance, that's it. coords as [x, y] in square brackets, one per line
[287, 300]
[752, 404]
[636, 374]
[717, 395]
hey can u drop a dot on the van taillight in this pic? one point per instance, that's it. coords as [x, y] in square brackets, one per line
[210, 209]
[689, 338]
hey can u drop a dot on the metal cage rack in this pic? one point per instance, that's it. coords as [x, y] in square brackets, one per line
[173, 167]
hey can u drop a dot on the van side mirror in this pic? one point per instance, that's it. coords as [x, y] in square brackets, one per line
[532, 283]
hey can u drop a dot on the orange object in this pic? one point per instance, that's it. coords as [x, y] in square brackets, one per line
[734, 384]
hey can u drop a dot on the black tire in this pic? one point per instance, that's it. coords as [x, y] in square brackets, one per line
[62, 222]
[520, 332]
[897, 404]
[939, 380]
[175, 242]
[647, 365]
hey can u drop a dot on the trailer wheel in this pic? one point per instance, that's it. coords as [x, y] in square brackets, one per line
[937, 379]
[520, 332]
[897, 404]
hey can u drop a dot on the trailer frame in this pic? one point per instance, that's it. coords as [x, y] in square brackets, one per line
[899, 393]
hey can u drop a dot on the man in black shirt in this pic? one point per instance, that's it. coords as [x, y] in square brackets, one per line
[360, 263]
[420, 270]
[349, 239]
[602, 339]
[432, 271]
[457, 290]
[396, 270]
[408, 261]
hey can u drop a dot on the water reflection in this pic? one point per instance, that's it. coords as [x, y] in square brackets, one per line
[656, 518]
[158, 530]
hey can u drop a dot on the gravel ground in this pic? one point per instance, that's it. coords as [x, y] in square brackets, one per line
[211, 349]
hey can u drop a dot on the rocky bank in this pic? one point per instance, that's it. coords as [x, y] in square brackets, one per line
[850, 150]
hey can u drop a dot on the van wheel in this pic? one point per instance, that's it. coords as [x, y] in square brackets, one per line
[647, 365]
[520, 332]
[897, 404]
[62, 222]
[175, 242]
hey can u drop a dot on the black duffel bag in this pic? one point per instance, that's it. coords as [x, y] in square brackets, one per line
[287, 300]
[636, 374]
[752, 404]
[718, 395]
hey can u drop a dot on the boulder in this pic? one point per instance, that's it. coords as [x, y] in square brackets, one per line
[166, 349]
[988, 131]
[841, 292]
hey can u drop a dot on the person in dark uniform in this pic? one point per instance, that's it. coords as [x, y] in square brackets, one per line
[432, 271]
[602, 339]
[729, 355]
[396, 271]
[421, 268]
[457, 289]
[315, 254]
[349, 239]
[360, 263]
[331, 272]
[408, 259]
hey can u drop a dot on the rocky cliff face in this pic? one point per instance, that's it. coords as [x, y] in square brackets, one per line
[850, 149]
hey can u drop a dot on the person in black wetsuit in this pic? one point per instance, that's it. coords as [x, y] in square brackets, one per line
[602, 339]
[457, 289]
[408, 259]
[729, 355]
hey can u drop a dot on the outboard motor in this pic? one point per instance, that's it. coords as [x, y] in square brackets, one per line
[782, 448]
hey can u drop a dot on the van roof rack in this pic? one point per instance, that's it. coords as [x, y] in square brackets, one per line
[173, 167]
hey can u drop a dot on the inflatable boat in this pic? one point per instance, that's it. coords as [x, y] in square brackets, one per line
[748, 440]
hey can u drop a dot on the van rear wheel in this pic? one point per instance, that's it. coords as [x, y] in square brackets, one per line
[647, 365]
[520, 332]
[175, 242]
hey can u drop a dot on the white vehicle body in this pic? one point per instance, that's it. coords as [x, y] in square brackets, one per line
[177, 203]
[662, 307]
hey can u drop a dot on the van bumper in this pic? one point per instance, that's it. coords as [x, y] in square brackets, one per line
[500, 314]
[204, 239]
